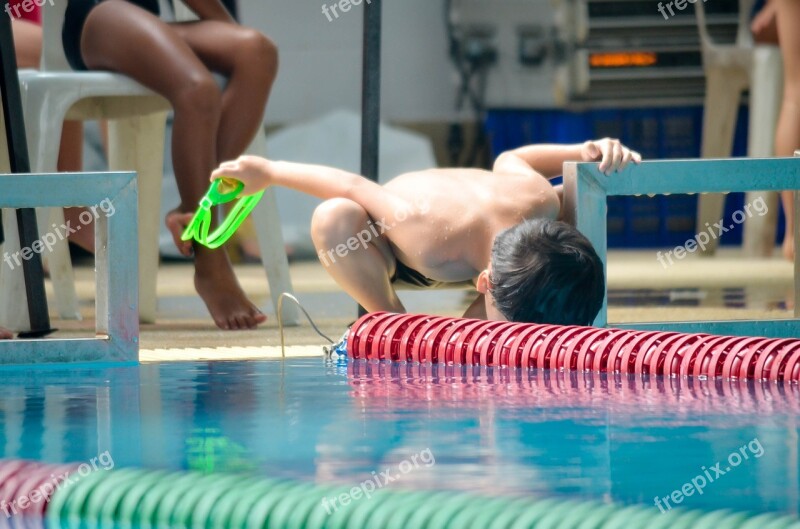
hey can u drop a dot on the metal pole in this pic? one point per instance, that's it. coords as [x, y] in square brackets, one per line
[20, 163]
[371, 90]
[371, 94]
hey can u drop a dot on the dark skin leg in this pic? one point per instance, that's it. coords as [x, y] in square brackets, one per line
[155, 55]
[250, 72]
[250, 62]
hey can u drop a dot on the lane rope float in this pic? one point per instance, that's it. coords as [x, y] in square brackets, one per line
[419, 339]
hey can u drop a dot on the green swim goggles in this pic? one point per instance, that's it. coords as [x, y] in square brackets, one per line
[222, 191]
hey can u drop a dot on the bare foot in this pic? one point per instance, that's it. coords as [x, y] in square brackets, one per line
[176, 222]
[5, 334]
[217, 285]
[788, 248]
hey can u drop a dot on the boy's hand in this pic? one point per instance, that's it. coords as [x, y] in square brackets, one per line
[252, 171]
[765, 26]
[612, 155]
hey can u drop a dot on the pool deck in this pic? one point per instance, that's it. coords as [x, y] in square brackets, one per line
[641, 289]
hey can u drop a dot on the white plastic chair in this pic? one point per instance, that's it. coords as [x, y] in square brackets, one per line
[137, 119]
[730, 70]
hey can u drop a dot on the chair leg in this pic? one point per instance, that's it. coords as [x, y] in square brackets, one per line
[12, 280]
[138, 144]
[766, 91]
[270, 241]
[59, 264]
[43, 118]
[12, 284]
[760, 230]
[723, 92]
[8, 288]
[273, 254]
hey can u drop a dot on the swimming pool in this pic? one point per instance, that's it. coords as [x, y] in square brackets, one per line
[508, 431]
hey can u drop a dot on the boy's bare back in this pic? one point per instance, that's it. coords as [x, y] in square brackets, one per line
[444, 220]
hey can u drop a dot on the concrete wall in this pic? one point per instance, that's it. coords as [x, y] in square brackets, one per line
[321, 59]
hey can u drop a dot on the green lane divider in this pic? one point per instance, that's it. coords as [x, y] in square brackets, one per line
[144, 499]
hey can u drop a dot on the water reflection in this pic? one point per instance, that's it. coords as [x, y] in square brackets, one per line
[494, 430]
[387, 386]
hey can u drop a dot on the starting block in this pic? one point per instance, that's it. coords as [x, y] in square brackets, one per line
[586, 190]
[116, 262]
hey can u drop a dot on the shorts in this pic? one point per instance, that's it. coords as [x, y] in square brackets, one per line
[414, 280]
[74, 20]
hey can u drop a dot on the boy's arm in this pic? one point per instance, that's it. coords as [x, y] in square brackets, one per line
[548, 160]
[317, 180]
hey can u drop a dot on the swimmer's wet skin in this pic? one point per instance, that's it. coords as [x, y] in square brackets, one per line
[498, 229]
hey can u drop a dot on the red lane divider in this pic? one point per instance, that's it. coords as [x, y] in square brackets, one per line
[431, 340]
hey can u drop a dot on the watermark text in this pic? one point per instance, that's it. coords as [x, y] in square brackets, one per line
[712, 232]
[59, 233]
[379, 480]
[709, 475]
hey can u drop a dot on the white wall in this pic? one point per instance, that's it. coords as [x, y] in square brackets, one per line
[321, 59]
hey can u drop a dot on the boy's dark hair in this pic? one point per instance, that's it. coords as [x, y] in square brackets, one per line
[546, 271]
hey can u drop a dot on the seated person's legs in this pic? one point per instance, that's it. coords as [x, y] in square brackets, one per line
[159, 56]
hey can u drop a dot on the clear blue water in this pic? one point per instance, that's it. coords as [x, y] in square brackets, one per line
[508, 431]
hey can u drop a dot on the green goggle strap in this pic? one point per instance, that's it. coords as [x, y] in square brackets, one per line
[218, 194]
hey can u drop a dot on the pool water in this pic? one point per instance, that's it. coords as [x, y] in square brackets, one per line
[484, 430]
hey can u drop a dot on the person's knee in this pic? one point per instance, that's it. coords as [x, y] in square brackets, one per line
[257, 51]
[336, 220]
[201, 94]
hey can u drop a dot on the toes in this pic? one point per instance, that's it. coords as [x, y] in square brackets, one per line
[176, 238]
[259, 317]
[245, 322]
[186, 248]
[176, 223]
[256, 318]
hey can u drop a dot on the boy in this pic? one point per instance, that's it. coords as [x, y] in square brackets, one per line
[496, 229]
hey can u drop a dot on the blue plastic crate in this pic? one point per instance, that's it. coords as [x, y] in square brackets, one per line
[633, 222]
